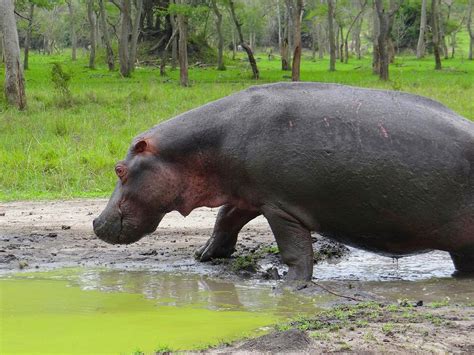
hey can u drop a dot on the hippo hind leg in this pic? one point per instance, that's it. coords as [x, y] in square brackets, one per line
[230, 220]
[463, 261]
[294, 242]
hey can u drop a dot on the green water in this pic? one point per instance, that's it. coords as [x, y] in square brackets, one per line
[97, 311]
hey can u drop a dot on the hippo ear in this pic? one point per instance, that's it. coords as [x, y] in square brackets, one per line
[141, 146]
[144, 145]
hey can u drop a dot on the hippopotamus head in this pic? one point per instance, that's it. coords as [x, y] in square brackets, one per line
[147, 188]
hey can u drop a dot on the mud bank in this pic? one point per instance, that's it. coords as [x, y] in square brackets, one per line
[45, 235]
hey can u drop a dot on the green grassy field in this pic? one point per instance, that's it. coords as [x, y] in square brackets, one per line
[56, 150]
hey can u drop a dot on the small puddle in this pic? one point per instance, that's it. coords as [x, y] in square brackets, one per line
[110, 311]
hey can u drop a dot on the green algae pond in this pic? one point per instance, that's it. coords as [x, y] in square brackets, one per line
[91, 310]
[110, 311]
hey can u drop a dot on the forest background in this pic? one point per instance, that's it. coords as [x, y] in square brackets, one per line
[83, 77]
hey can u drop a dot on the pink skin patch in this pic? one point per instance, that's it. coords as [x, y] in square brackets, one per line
[383, 130]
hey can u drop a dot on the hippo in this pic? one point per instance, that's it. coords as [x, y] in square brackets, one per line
[385, 171]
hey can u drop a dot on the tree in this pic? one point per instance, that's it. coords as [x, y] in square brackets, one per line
[420, 48]
[470, 29]
[182, 44]
[244, 45]
[128, 41]
[92, 29]
[297, 14]
[385, 19]
[285, 43]
[357, 32]
[435, 33]
[135, 33]
[105, 31]
[332, 39]
[351, 25]
[14, 85]
[174, 39]
[220, 44]
[73, 29]
[124, 54]
[28, 35]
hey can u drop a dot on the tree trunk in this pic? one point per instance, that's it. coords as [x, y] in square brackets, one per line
[290, 29]
[385, 20]
[244, 45]
[92, 24]
[321, 37]
[469, 29]
[124, 36]
[98, 37]
[220, 44]
[295, 67]
[234, 44]
[28, 35]
[442, 36]
[174, 43]
[285, 51]
[14, 84]
[280, 34]
[375, 37]
[2, 56]
[357, 31]
[73, 30]
[453, 43]
[332, 44]
[135, 33]
[435, 30]
[108, 46]
[341, 44]
[382, 40]
[182, 46]
[420, 48]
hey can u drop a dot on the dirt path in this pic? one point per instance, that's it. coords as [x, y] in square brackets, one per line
[48, 234]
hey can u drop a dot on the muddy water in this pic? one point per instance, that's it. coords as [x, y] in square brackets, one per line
[118, 311]
[97, 311]
[365, 266]
[426, 277]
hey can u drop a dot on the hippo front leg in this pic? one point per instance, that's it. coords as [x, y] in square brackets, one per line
[294, 242]
[230, 220]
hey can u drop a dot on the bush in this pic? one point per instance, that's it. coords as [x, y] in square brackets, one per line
[61, 81]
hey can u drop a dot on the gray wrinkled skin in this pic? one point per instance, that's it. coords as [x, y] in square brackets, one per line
[385, 171]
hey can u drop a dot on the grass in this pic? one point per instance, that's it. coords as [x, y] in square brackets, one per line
[361, 315]
[61, 148]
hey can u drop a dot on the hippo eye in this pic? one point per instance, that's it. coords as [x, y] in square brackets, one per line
[120, 170]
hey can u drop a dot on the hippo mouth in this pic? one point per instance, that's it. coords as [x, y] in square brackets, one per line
[117, 230]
